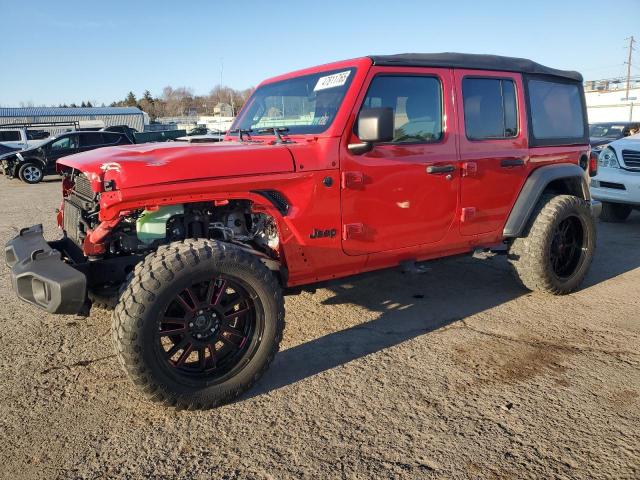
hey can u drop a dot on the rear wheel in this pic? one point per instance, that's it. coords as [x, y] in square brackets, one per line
[198, 323]
[615, 212]
[31, 173]
[557, 250]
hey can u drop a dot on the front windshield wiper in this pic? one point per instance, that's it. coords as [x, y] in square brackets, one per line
[241, 132]
[276, 131]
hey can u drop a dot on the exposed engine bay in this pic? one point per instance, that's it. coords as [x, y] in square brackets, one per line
[234, 223]
[144, 230]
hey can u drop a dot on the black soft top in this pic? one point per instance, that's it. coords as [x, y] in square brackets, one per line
[472, 61]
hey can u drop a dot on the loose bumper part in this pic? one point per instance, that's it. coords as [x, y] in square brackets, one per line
[41, 277]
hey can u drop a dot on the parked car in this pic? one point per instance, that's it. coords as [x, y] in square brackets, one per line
[32, 164]
[199, 130]
[602, 134]
[332, 171]
[19, 138]
[617, 184]
[124, 129]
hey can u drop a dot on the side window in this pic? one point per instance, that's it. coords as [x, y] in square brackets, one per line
[111, 138]
[490, 108]
[65, 143]
[416, 103]
[9, 136]
[556, 110]
[91, 139]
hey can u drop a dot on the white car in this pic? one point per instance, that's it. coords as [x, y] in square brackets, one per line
[617, 184]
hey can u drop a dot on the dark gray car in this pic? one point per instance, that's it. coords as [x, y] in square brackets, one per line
[32, 164]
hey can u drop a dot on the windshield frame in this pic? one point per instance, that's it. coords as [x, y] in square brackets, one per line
[308, 129]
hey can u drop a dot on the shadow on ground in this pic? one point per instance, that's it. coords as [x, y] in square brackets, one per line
[413, 305]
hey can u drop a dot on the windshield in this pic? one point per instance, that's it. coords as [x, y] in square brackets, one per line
[610, 131]
[306, 104]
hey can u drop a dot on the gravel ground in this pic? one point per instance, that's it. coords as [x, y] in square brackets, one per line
[456, 373]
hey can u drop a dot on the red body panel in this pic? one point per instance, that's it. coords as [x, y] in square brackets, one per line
[383, 203]
[397, 202]
[488, 189]
[157, 163]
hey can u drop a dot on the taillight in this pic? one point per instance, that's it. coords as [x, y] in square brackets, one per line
[593, 164]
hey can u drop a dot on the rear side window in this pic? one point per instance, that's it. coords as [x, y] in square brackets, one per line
[416, 103]
[91, 139]
[111, 138]
[557, 112]
[490, 110]
[9, 136]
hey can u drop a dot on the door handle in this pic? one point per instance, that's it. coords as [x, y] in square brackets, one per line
[435, 169]
[512, 162]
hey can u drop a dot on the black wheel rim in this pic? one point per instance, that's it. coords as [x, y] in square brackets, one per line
[209, 330]
[567, 247]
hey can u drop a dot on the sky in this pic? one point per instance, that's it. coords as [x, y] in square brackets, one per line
[72, 51]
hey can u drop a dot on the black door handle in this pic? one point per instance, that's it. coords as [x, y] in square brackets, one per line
[512, 162]
[440, 169]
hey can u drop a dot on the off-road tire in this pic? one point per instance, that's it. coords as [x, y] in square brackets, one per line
[530, 255]
[615, 212]
[157, 278]
[30, 165]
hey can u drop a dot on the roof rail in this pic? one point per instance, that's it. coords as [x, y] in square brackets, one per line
[75, 124]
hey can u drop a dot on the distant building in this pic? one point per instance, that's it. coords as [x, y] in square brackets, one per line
[223, 110]
[89, 117]
[607, 100]
[216, 123]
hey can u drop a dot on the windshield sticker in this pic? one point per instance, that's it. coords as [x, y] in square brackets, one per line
[331, 81]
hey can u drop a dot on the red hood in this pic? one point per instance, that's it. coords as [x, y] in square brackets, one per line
[154, 163]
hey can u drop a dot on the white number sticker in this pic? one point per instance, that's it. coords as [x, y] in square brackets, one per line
[331, 81]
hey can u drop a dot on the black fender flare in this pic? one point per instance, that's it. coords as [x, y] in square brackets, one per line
[532, 190]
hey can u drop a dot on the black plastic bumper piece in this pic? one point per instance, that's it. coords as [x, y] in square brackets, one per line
[41, 277]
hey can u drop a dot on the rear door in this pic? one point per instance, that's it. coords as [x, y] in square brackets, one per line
[402, 193]
[493, 147]
[91, 140]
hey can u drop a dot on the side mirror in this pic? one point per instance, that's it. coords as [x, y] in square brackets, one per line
[374, 125]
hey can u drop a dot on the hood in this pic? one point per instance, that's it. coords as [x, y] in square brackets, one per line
[33, 146]
[156, 163]
[632, 143]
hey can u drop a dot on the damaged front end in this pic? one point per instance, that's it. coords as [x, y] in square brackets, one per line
[96, 255]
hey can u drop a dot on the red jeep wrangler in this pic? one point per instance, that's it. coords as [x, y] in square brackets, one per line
[327, 172]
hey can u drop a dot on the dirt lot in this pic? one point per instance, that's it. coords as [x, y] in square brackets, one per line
[454, 373]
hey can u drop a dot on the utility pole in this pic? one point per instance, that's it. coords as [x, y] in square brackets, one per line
[631, 49]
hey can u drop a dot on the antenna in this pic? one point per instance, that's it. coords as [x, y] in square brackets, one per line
[221, 70]
[628, 62]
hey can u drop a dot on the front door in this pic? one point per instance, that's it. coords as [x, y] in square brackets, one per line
[403, 193]
[62, 147]
[493, 147]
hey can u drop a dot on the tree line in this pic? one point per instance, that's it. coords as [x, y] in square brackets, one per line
[174, 102]
[181, 101]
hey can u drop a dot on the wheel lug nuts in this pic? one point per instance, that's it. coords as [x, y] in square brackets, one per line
[191, 324]
[198, 336]
[200, 312]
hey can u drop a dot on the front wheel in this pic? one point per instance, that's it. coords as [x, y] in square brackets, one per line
[199, 322]
[31, 173]
[558, 248]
